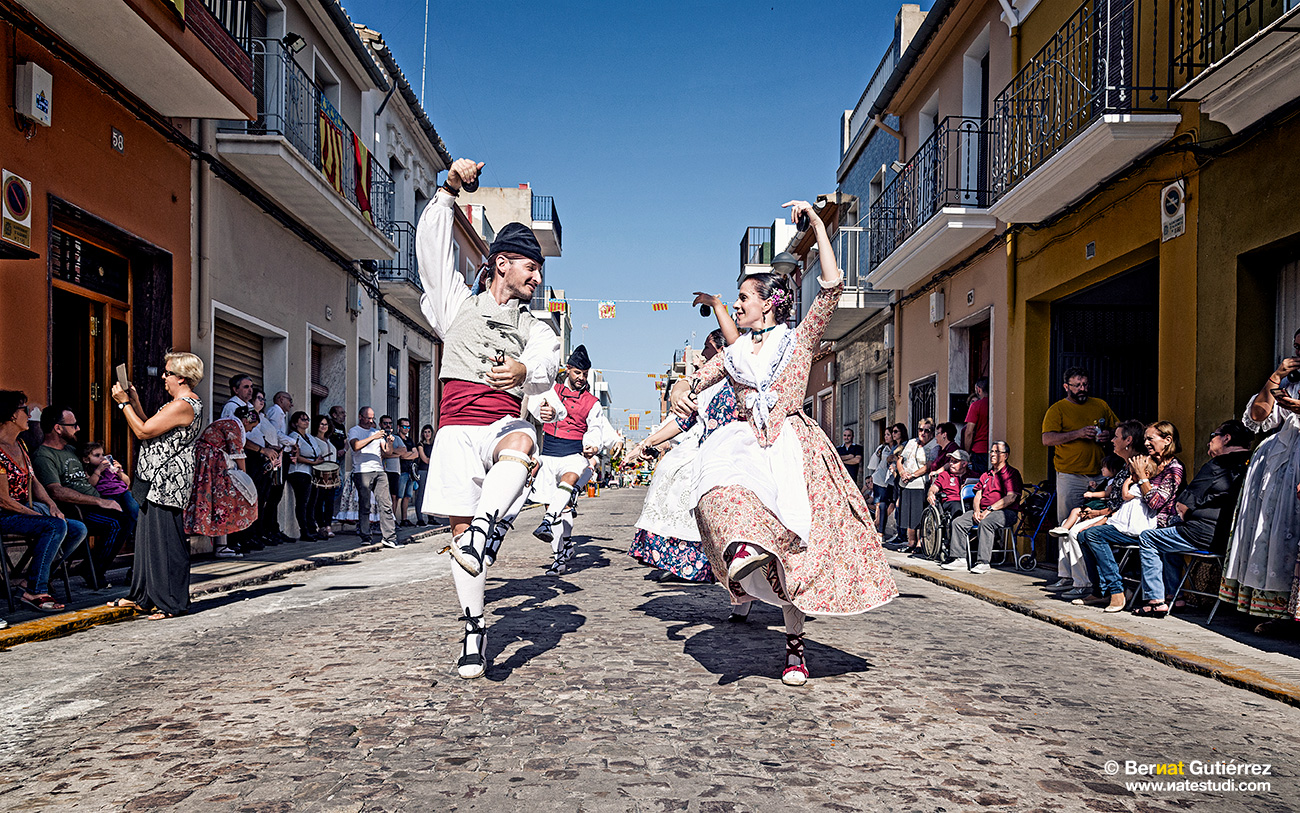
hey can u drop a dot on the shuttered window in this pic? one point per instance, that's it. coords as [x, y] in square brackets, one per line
[1288, 309]
[236, 350]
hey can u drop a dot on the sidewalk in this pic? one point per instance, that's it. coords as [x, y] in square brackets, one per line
[1228, 650]
[207, 575]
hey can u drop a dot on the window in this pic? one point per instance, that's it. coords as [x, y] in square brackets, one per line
[881, 402]
[850, 407]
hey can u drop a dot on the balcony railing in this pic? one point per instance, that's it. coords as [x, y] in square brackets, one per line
[402, 268]
[756, 246]
[1207, 31]
[950, 169]
[544, 210]
[542, 297]
[233, 16]
[1104, 59]
[291, 106]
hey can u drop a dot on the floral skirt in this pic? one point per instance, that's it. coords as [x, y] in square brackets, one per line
[683, 559]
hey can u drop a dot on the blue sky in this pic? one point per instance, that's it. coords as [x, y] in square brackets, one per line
[661, 129]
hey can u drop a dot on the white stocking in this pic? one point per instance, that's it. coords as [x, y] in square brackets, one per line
[502, 488]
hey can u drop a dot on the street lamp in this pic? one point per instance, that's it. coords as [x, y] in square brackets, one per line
[784, 264]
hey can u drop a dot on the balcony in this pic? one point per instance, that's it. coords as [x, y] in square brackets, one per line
[1088, 104]
[546, 225]
[756, 251]
[400, 276]
[182, 68]
[303, 155]
[935, 208]
[859, 302]
[1239, 58]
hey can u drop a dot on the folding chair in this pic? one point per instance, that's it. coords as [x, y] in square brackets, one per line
[13, 540]
[1187, 569]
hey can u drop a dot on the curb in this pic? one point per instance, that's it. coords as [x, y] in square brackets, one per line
[1222, 671]
[64, 624]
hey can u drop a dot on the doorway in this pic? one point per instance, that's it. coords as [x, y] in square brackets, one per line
[1100, 329]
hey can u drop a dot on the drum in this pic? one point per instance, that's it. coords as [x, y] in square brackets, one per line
[325, 475]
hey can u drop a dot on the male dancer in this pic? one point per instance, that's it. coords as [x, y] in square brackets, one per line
[494, 355]
[574, 427]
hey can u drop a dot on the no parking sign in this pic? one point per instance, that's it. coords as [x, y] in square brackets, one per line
[17, 206]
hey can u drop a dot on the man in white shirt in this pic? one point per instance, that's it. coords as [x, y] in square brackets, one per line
[278, 412]
[368, 443]
[495, 355]
[241, 394]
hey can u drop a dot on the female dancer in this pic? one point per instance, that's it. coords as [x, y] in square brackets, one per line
[223, 502]
[777, 510]
[667, 535]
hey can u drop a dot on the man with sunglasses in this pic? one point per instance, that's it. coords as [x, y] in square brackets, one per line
[59, 469]
[495, 354]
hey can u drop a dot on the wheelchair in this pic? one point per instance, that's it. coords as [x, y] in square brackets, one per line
[936, 524]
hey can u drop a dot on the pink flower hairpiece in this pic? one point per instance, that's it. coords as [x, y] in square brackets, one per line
[779, 297]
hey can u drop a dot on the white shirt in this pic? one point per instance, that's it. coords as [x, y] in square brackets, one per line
[276, 416]
[445, 292]
[309, 446]
[913, 457]
[234, 403]
[368, 457]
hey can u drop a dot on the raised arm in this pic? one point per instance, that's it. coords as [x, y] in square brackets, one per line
[728, 325]
[444, 289]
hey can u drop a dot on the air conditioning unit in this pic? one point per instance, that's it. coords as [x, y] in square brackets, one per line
[936, 307]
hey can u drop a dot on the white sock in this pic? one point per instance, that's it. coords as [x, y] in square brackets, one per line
[502, 487]
[793, 619]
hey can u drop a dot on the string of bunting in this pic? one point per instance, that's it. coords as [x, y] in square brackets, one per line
[608, 308]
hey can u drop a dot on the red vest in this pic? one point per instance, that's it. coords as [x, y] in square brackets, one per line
[579, 405]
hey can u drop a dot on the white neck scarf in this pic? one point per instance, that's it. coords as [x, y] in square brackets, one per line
[758, 370]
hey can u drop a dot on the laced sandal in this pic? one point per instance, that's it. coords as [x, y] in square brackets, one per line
[544, 531]
[746, 560]
[469, 557]
[557, 566]
[493, 547]
[472, 664]
[795, 674]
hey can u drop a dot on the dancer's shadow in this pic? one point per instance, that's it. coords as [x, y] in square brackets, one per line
[734, 651]
[534, 621]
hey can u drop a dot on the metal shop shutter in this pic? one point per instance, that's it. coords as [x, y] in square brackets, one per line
[235, 350]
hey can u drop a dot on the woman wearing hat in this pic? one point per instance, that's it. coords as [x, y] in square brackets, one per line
[777, 510]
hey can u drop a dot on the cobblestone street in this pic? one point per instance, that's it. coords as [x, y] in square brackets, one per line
[606, 692]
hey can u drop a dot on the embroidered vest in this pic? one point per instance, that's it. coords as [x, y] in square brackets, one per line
[579, 405]
[480, 329]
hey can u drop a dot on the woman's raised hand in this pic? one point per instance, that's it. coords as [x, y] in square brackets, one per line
[712, 300]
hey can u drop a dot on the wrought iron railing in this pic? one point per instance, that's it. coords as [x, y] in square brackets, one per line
[756, 246]
[404, 267]
[850, 247]
[1106, 58]
[289, 105]
[544, 210]
[233, 16]
[949, 169]
[1207, 31]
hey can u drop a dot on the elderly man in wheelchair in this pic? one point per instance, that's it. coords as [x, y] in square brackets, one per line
[947, 500]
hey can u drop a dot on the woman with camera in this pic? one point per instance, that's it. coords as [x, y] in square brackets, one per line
[1260, 573]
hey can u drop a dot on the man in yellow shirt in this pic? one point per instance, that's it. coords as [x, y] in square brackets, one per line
[1080, 428]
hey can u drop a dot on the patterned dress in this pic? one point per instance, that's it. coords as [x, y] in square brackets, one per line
[217, 507]
[838, 568]
[667, 535]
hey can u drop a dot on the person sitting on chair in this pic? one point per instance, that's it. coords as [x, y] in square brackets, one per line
[945, 490]
[996, 503]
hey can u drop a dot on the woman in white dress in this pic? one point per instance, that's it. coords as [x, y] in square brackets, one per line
[1261, 575]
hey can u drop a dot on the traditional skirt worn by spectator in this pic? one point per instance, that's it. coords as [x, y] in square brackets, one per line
[1261, 574]
[221, 501]
[667, 535]
[773, 481]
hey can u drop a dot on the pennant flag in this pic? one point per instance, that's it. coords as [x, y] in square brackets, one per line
[606, 310]
[659, 306]
[651, 375]
[634, 422]
[558, 306]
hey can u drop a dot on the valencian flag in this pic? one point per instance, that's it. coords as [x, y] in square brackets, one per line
[331, 127]
[606, 310]
[557, 306]
[633, 422]
[659, 306]
[362, 174]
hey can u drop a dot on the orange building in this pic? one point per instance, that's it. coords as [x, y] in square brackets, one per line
[95, 269]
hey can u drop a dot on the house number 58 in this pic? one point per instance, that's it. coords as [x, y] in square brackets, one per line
[117, 140]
